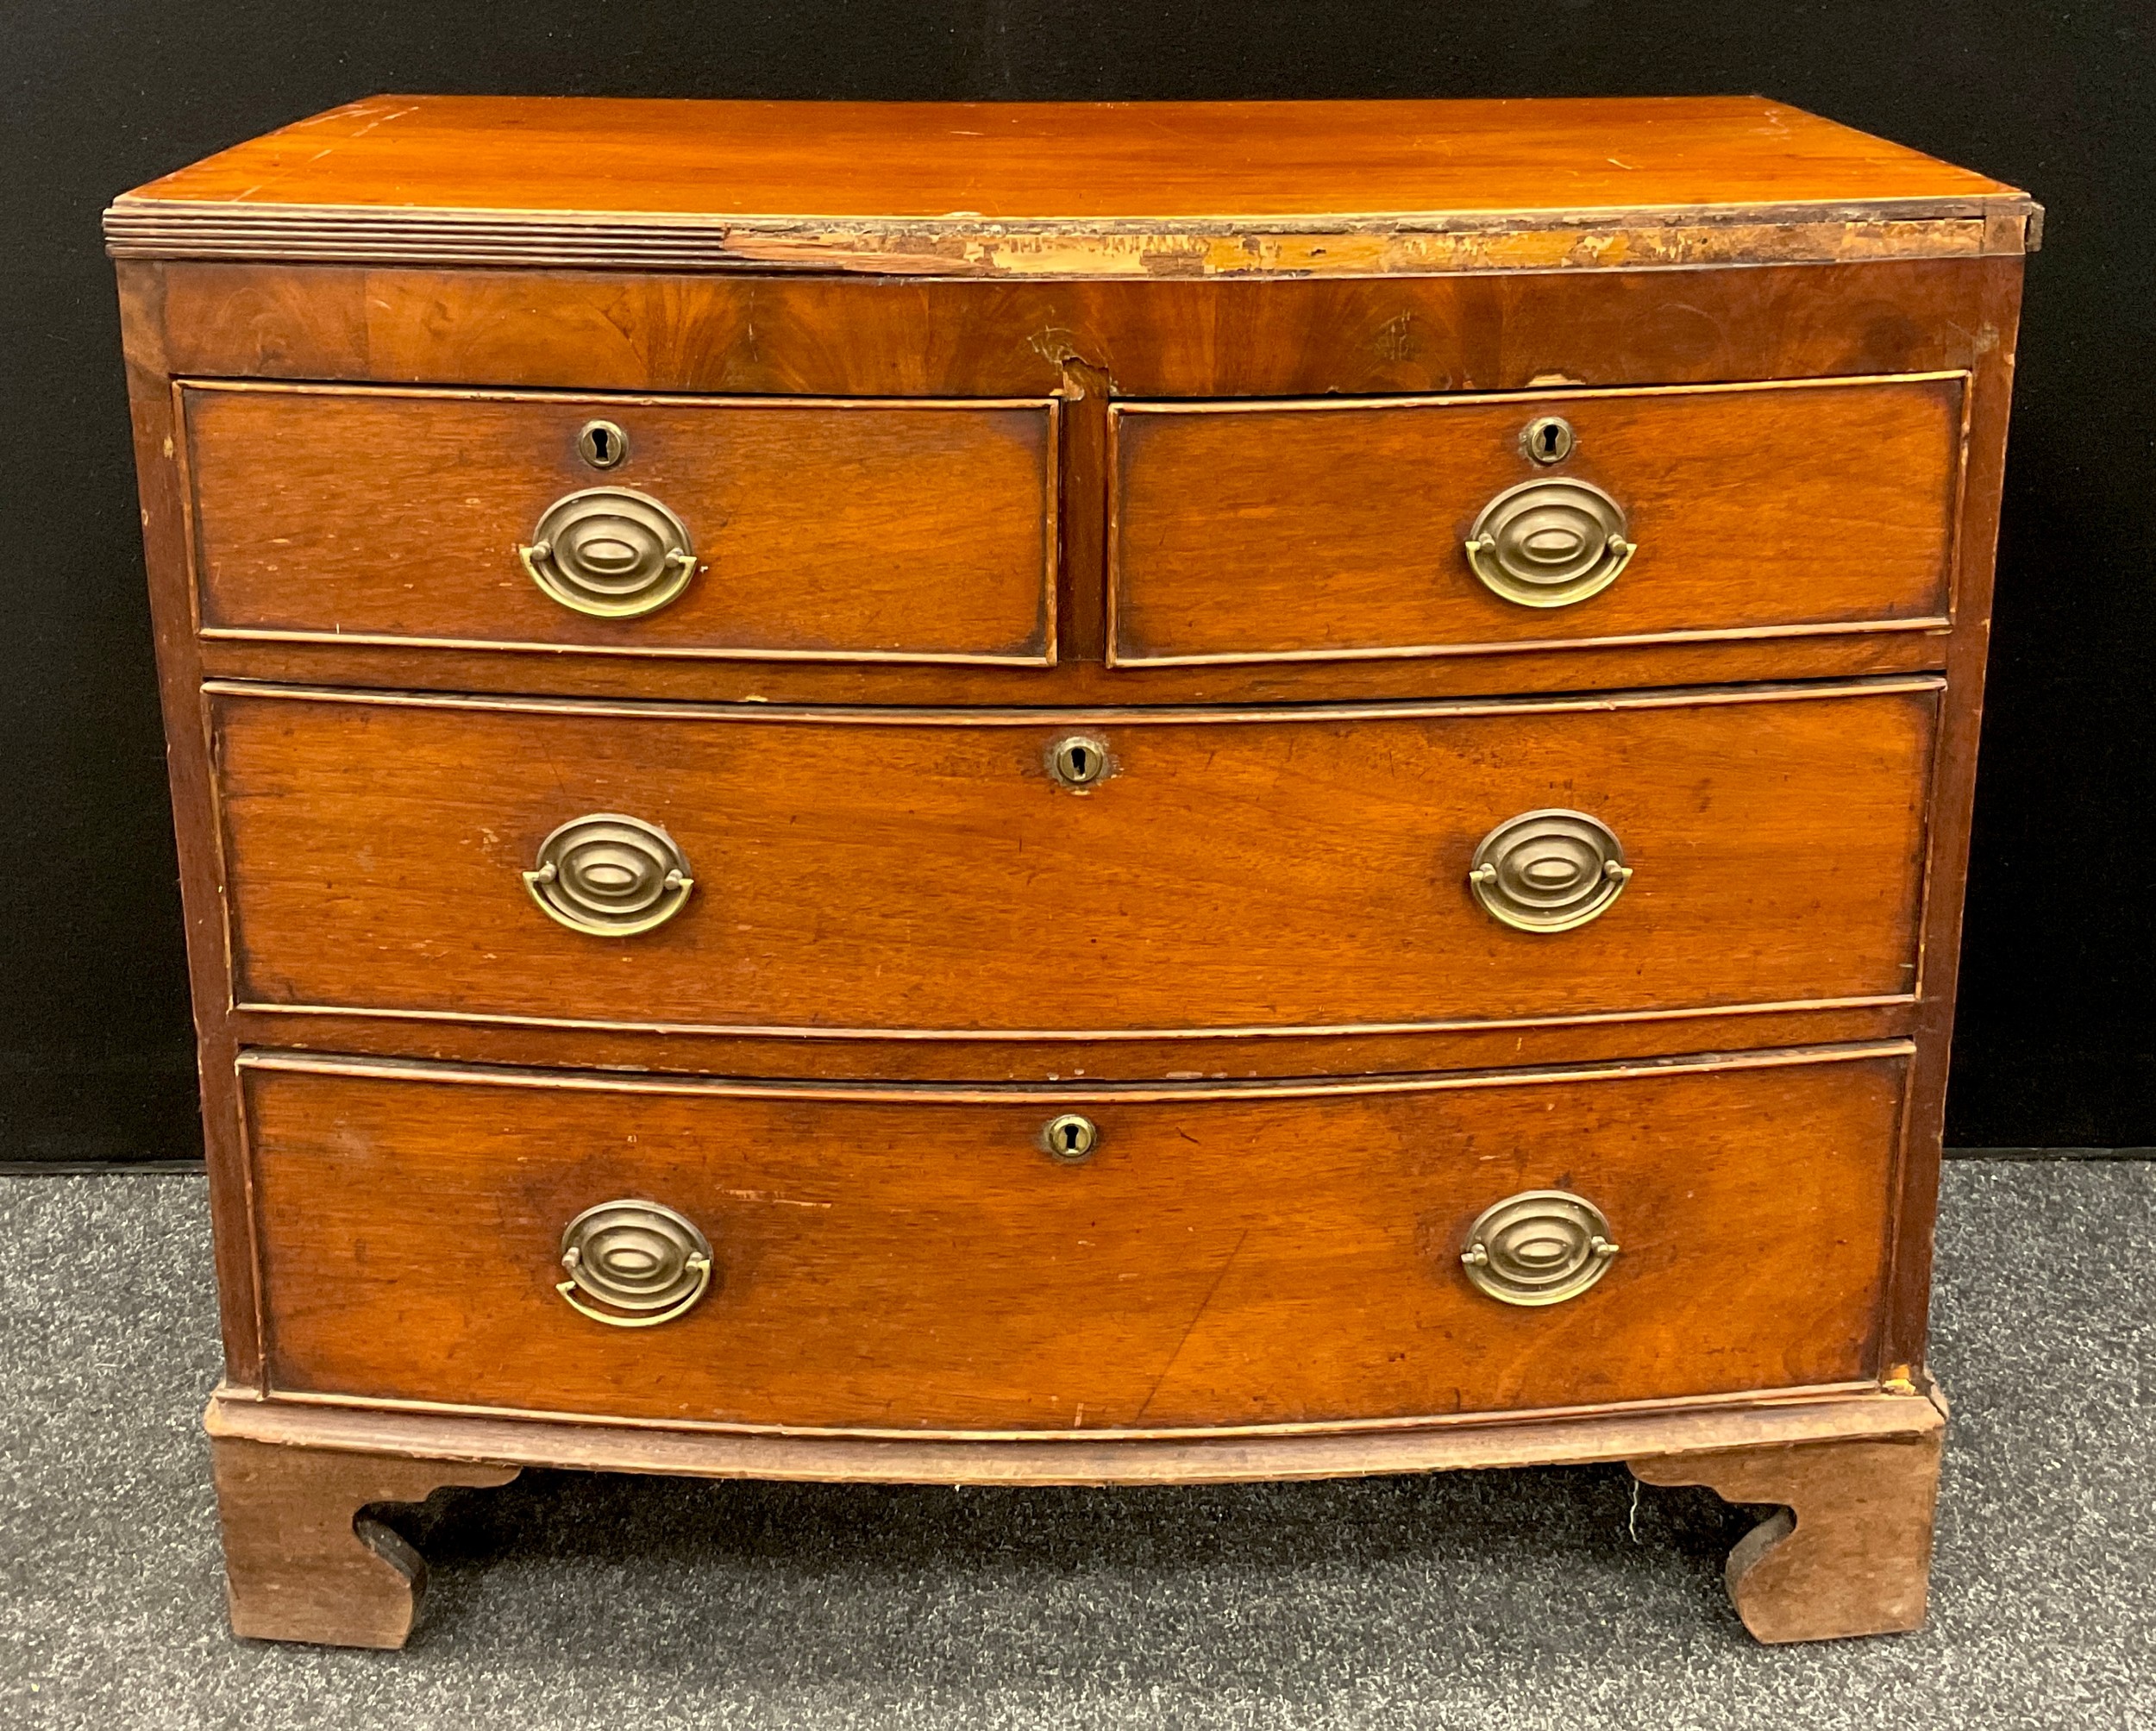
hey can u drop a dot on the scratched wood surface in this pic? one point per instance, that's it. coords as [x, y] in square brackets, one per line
[1846, 1548]
[1067, 189]
[1016, 161]
[303, 1562]
[922, 529]
[920, 1264]
[1253, 529]
[1073, 683]
[867, 870]
[1080, 1458]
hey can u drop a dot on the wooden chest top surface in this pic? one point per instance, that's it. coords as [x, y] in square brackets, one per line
[1096, 188]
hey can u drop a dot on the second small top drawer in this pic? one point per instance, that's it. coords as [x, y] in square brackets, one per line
[1315, 530]
[892, 529]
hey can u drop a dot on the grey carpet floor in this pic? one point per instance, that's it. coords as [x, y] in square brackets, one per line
[1541, 1599]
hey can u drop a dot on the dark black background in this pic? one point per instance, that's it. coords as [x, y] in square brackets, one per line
[2054, 1047]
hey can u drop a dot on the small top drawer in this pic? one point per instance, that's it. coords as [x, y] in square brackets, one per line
[894, 530]
[1275, 530]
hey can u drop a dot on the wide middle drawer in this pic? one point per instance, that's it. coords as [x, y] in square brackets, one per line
[868, 871]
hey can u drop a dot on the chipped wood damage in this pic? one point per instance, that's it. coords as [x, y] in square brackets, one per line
[1365, 246]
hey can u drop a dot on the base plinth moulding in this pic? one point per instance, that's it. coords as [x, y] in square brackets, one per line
[1851, 1475]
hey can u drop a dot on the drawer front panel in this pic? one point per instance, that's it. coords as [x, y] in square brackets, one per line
[889, 529]
[1244, 532]
[893, 1262]
[874, 871]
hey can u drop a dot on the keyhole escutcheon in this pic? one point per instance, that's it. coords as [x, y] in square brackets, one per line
[602, 444]
[1547, 439]
[1079, 760]
[1070, 1137]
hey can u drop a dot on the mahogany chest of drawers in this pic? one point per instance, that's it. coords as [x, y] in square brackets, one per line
[1072, 794]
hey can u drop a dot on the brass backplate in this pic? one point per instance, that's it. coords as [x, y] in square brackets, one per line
[610, 876]
[1538, 1247]
[1548, 870]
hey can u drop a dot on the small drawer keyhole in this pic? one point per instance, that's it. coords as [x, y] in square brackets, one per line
[1548, 439]
[1080, 761]
[1070, 1137]
[602, 444]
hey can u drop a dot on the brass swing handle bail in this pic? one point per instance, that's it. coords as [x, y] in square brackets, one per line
[1550, 543]
[538, 551]
[699, 1264]
[610, 876]
[1615, 869]
[676, 881]
[647, 1264]
[1486, 559]
[1477, 1254]
[610, 553]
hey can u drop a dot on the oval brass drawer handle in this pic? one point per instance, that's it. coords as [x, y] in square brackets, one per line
[1538, 1247]
[1548, 544]
[1549, 871]
[610, 553]
[648, 1263]
[609, 876]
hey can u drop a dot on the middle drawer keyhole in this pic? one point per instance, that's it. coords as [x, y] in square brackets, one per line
[1079, 760]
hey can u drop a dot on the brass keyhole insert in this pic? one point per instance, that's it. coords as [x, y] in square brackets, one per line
[1070, 1137]
[602, 444]
[1079, 760]
[1547, 439]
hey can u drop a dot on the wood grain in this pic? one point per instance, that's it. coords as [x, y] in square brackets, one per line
[301, 1560]
[918, 1262]
[1507, 671]
[675, 333]
[1189, 1457]
[1247, 530]
[1953, 780]
[1848, 1549]
[1172, 189]
[1283, 870]
[619, 330]
[162, 485]
[1184, 1056]
[918, 531]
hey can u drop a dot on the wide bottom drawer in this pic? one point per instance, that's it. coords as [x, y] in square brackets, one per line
[919, 1258]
